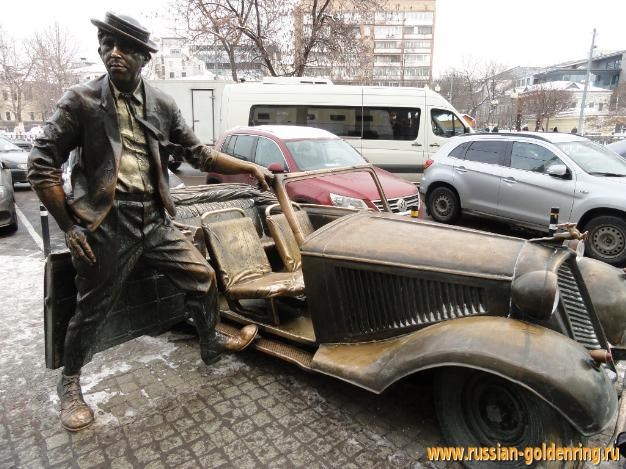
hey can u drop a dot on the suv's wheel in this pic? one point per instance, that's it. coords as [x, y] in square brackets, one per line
[607, 239]
[477, 409]
[444, 205]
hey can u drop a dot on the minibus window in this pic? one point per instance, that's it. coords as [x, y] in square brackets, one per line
[446, 124]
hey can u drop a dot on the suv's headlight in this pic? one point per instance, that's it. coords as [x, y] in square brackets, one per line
[3, 192]
[536, 293]
[348, 202]
[22, 166]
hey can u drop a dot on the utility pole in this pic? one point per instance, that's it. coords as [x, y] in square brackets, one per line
[581, 118]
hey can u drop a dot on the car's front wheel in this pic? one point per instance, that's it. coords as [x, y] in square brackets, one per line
[607, 239]
[173, 165]
[479, 410]
[444, 205]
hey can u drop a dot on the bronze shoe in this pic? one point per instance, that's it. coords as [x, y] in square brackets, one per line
[75, 413]
[244, 338]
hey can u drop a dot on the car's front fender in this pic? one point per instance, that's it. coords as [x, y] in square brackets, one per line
[552, 366]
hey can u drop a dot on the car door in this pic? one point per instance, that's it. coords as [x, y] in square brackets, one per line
[268, 152]
[242, 147]
[477, 175]
[443, 124]
[528, 192]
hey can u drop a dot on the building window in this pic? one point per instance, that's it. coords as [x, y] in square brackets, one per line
[424, 30]
[600, 106]
[184, 74]
[5, 95]
[32, 116]
[8, 116]
[171, 74]
[591, 105]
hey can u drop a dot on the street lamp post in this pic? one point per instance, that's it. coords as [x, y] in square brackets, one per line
[512, 96]
[492, 108]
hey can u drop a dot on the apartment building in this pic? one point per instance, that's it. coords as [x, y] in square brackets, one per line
[397, 46]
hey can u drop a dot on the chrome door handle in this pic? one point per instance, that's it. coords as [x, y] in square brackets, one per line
[461, 169]
[416, 144]
[509, 180]
[434, 145]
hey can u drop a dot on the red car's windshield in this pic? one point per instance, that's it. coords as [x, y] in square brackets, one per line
[322, 154]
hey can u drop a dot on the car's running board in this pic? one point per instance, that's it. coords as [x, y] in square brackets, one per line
[277, 349]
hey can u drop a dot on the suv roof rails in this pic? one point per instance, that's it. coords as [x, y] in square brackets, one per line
[507, 134]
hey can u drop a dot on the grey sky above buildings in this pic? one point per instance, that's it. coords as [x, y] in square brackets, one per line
[526, 32]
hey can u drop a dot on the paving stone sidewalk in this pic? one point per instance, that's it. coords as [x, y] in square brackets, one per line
[157, 405]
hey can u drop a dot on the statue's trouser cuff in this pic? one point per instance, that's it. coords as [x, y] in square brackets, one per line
[134, 231]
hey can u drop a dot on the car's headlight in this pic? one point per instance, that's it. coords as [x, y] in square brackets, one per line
[22, 166]
[3, 192]
[9, 164]
[348, 202]
[536, 293]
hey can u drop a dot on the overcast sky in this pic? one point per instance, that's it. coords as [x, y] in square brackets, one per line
[527, 32]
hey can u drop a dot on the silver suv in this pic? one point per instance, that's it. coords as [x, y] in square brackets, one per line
[518, 177]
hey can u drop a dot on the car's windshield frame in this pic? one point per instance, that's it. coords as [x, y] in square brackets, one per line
[592, 158]
[321, 154]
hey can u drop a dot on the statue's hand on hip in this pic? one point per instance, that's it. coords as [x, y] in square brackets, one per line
[78, 245]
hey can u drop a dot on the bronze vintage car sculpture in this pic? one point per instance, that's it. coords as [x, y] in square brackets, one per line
[518, 333]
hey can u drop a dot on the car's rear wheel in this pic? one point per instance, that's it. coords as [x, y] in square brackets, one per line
[607, 239]
[477, 410]
[444, 205]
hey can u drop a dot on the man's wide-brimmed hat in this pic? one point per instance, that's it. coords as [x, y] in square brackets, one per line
[128, 28]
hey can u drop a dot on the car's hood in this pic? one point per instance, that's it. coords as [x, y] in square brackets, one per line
[16, 157]
[359, 185]
[605, 184]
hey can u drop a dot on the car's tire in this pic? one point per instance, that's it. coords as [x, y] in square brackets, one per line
[444, 205]
[174, 165]
[607, 239]
[478, 409]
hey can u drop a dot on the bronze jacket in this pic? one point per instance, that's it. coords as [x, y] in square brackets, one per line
[86, 119]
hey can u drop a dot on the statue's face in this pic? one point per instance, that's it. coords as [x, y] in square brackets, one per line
[123, 61]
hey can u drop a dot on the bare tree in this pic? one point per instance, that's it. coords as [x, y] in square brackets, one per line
[285, 36]
[543, 102]
[618, 98]
[16, 68]
[472, 87]
[53, 53]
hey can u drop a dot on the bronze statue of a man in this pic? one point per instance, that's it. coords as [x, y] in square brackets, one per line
[123, 131]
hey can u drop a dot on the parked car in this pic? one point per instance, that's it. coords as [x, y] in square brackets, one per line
[15, 159]
[519, 177]
[284, 148]
[26, 145]
[8, 214]
[514, 333]
[618, 147]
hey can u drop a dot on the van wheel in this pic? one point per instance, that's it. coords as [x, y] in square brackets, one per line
[607, 239]
[444, 205]
[477, 409]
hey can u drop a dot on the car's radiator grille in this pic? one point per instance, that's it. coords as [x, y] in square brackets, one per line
[408, 201]
[374, 301]
[575, 309]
